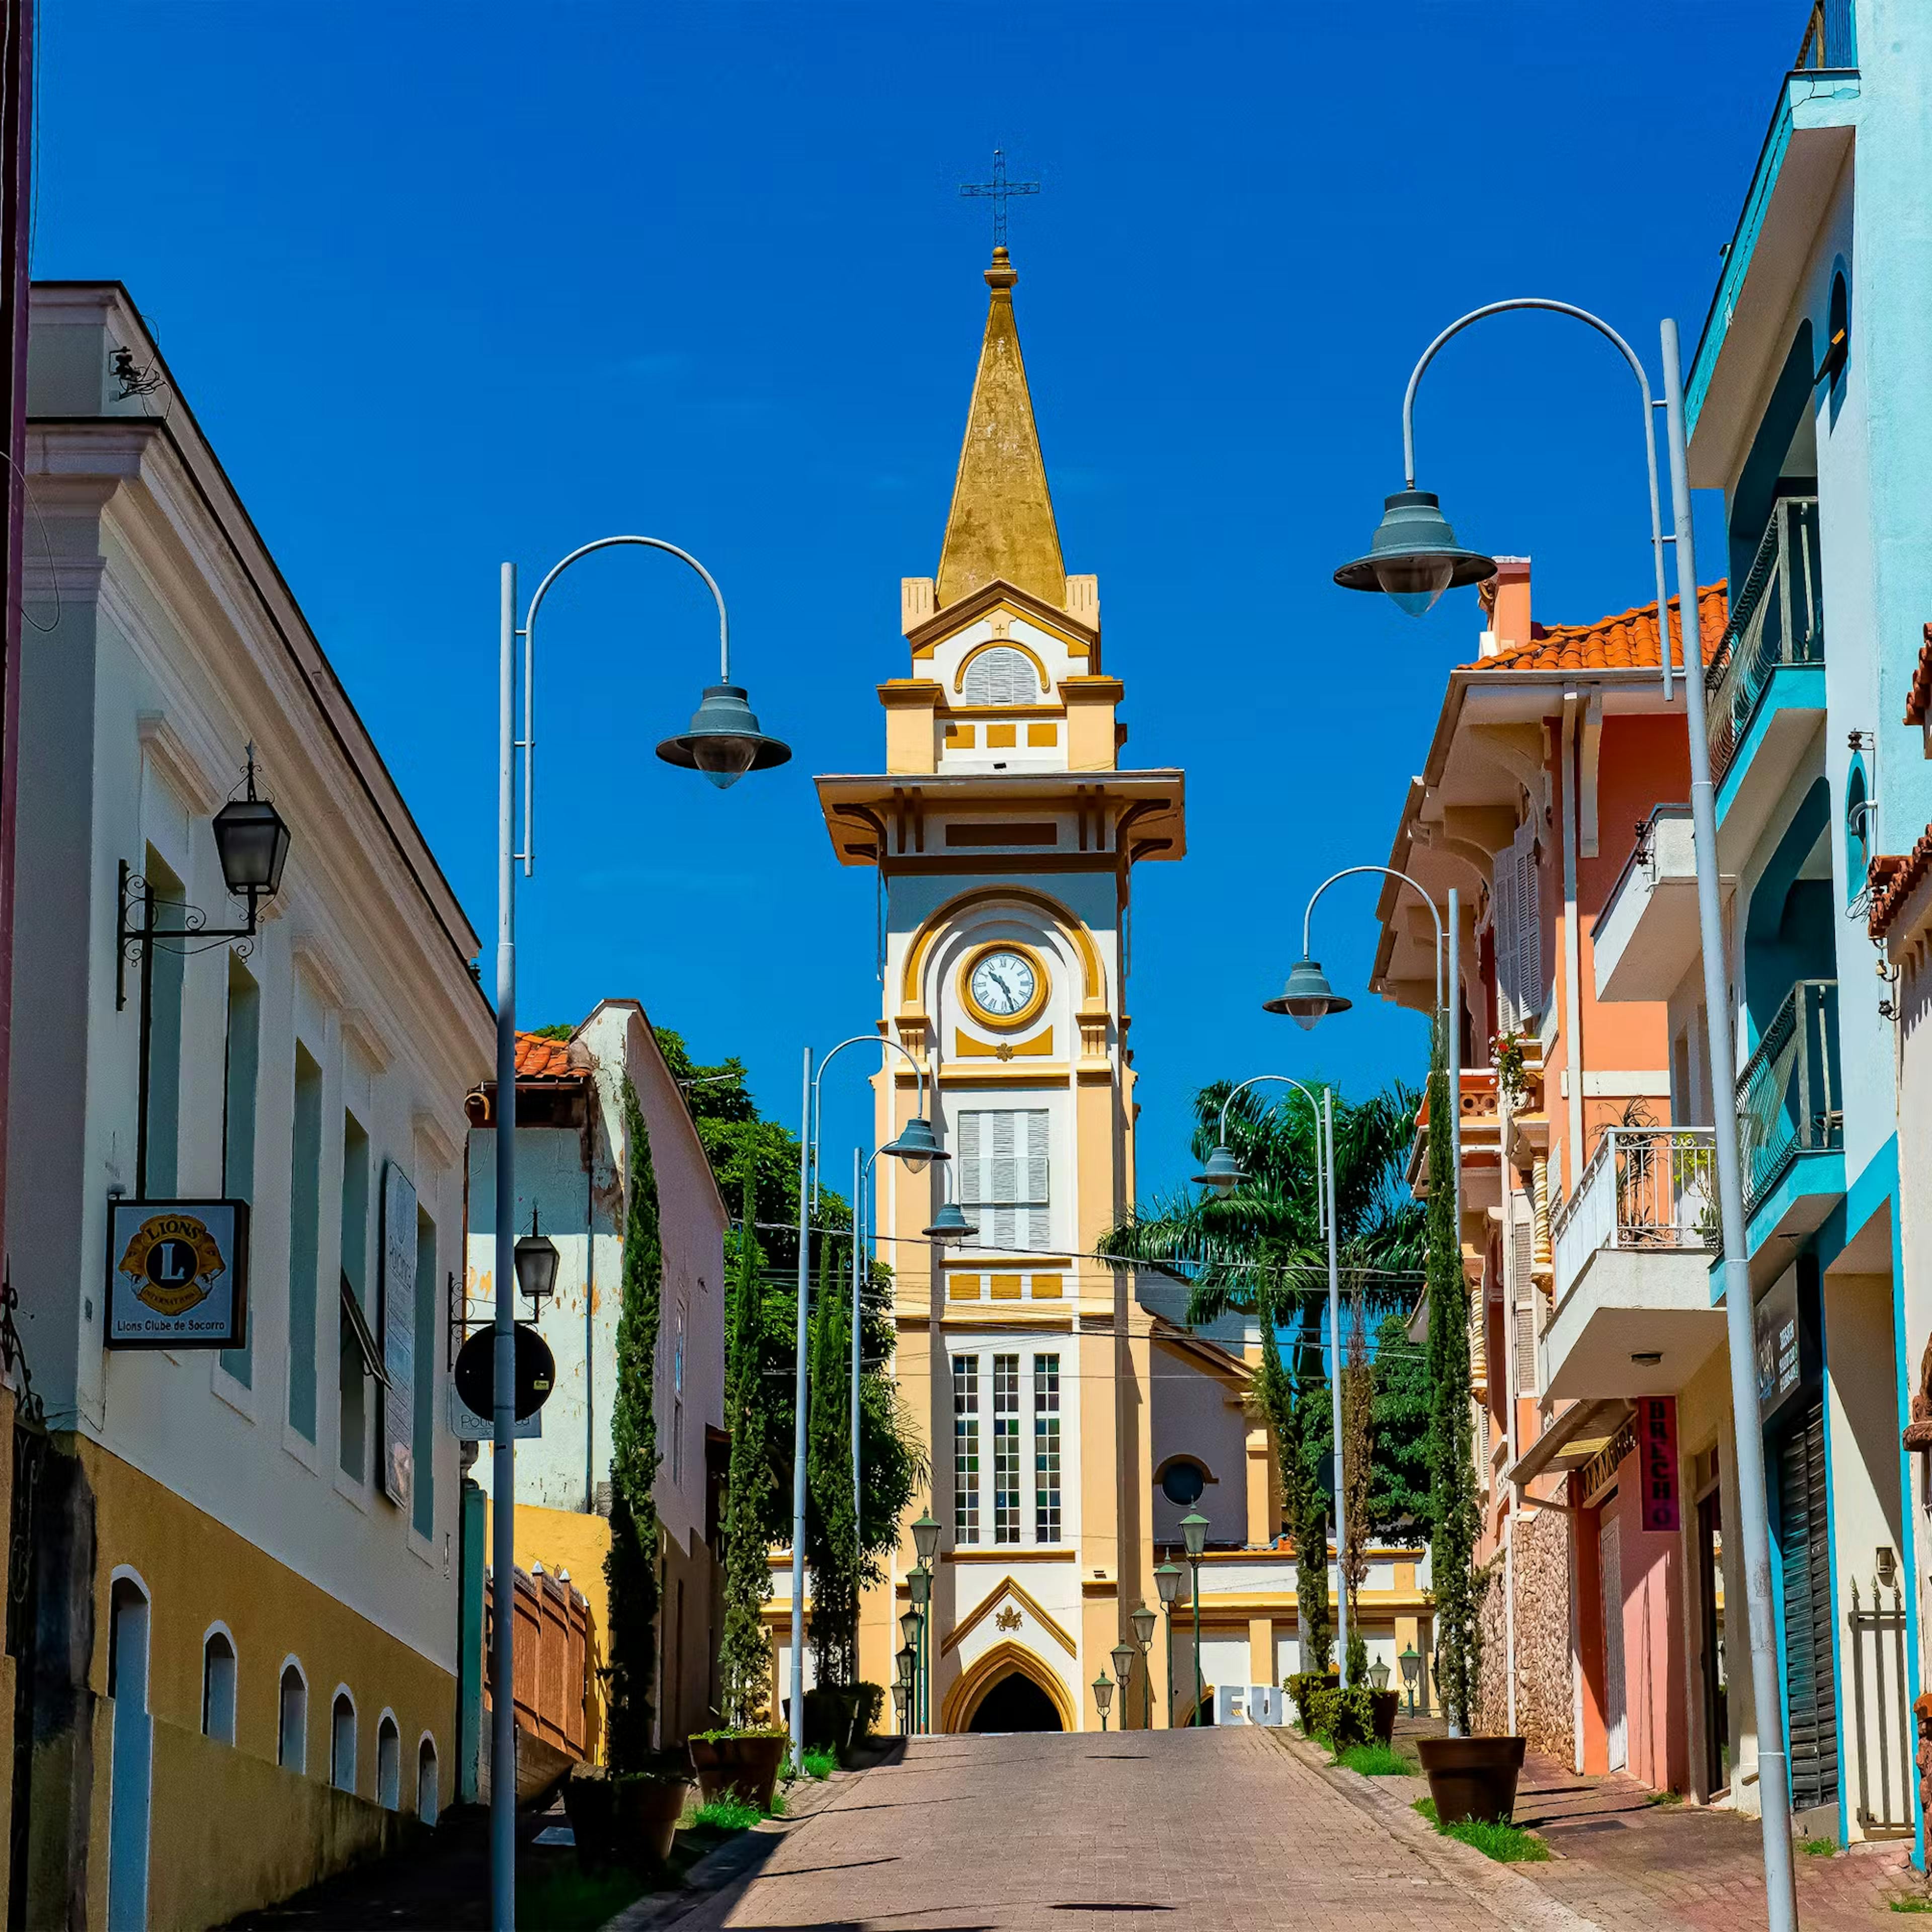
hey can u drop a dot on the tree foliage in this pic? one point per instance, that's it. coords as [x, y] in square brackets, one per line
[1399, 1482]
[630, 1566]
[831, 1547]
[1358, 1460]
[744, 1659]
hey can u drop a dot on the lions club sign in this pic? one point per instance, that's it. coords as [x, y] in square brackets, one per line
[177, 1274]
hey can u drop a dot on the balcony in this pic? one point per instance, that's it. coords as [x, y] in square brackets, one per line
[1791, 1117]
[1632, 1249]
[1764, 690]
[1645, 940]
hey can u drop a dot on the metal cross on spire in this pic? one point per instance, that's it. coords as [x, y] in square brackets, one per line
[1000, 191]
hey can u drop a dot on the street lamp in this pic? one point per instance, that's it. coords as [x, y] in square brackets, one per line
[536, 1261]
[950, 1226]
[1773, 1780]
[1144, 1621]
[1378, 1675]
[1103, 1696]
[1167, 1581]
[724, 742]
[901, 1691]
[1222, 1175]
[1194, 1536]
[919, 1149]
[1123, 1654]
[1411, 1660]
[919, 1587]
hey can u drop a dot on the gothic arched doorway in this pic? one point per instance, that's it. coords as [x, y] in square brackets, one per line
[1015, 1703]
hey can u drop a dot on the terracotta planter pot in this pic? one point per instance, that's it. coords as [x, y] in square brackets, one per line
[646, 1812]
[745, 1768]
[1385, 1704]
[590, 1803]
[1472, 1777]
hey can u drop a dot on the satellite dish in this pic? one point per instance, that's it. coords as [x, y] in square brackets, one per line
[476, 1372]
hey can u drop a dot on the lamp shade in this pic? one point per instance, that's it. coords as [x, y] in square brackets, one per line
[916, 1144]
[1223, 1173]
[1411, 1660]
[901, 1697]
[950, 1226]
[918, 1584]
[1143, 1621]
[1103, 1693]
[724, 742]
[1307, 995]
[1123, 1654]
[909, 1627]
[536, 1259]
[1378, 1675]
[1414, 555]
[1167, 1580]
[252, 842]
[925, 1536]
[1194, 1532]
[904, 1663]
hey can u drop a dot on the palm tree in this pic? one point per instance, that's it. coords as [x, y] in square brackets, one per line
[1260, 1251]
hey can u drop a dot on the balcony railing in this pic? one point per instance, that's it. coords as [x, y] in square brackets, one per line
[1778, 620]
[1790, 1095]
[1651, 1188]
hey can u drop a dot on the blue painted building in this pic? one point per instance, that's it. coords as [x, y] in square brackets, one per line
[1810, 400]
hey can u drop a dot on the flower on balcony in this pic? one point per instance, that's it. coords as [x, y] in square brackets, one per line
[1506, 1056]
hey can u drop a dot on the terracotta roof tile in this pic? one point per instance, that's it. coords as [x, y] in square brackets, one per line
[541, 1059]
[1626, 642]
[1918, 699]
[1891, 879]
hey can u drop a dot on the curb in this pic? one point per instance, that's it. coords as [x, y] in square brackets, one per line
[1516, 1900]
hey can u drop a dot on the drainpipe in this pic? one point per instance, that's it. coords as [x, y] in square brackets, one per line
[1510, 1288]
[590, 1300]
[1573, 949]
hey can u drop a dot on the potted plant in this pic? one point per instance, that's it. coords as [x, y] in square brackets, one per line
[646, 1807]
[1383, 1707]
[589, 1799]
[1472, 1777]
[743, 1764]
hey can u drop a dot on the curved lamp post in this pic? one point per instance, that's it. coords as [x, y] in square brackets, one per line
[1144, 1621]
[1422, 557]
[724, 742]
[1123, 1654]
[1167, 1583]
[1221, 1176]
[915, 1145]
[1194, 1536]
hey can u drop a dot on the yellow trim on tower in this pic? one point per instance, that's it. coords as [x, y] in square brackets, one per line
[1092, 981]
[1007, 1587]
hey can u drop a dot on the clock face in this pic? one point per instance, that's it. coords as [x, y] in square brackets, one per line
[1002, 983]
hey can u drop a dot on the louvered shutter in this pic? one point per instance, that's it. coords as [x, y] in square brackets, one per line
[1002, 1176]
[1528, 927]
[1523, 1236]
[1503, 923]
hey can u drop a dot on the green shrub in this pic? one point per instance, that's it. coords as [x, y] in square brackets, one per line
[1302, 1688]
[1818, 1848]
[820, 1762]
[1346, 1718]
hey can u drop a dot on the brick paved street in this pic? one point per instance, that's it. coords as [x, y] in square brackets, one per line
[1234, 1831]
[1209, 1828]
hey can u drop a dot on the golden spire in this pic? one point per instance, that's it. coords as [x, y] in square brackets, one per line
[1001, 522]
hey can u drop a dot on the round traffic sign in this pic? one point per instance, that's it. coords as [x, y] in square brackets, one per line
[476, 1372]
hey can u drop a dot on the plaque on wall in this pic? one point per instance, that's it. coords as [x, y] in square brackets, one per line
[177, 1274]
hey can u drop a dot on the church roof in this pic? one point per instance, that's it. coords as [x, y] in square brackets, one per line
[1001, 522]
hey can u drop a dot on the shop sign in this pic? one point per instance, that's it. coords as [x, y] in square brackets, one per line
[399, 1334]
[1775, 1325]
[1657, 1450]
[177, 1274]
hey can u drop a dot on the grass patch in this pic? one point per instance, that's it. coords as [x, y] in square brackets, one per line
[1915, 1901]
[570, 1899]
[725, 1814]
[1818, 1848]
[1657, 1797]
[1508, 1844]
[1376, 1761]
[821, 1761]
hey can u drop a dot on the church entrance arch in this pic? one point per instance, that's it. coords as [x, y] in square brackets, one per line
[1008, 1689]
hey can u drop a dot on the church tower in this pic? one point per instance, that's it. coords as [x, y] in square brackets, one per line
[1005, 831]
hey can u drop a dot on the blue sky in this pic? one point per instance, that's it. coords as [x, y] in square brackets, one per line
[451, 284]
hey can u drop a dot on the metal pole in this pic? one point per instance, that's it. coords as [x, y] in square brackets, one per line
[502, 1459]
[1512, 1287]
[1774, 1772]
[1167, 1618]
[1194, 1590]
[1325, 1178]
[858, 1267]
[798, 1432]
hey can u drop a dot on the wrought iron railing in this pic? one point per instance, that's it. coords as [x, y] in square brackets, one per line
[1644, 1187]
[1778, 620]
[1790, 1095]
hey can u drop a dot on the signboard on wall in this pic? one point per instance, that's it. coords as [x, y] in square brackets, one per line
[177, 1274]
[1775, 1327]
[1656, 1454]
[399, 1334]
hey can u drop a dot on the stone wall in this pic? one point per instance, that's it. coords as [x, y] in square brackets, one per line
[1544, 1712]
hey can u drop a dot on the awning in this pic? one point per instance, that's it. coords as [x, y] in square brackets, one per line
[1579, 1436]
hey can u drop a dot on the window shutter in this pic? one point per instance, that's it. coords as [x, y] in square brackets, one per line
[1503, 924]
[1038, 1234]
[1522, 1235]
[1003, 1176]
[1528, 926]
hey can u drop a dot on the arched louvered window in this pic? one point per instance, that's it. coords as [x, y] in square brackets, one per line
[1001, 677]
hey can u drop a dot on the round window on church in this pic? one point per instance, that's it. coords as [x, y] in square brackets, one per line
[1182, 1483]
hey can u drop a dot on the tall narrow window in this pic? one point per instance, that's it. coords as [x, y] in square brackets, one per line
[292, 1731]
[1046, 1448]
[238, 1118]
[304, 1240]
[388, 1764]
[677, 1400]
[422, 1434]
[1002, 1176]
[1005, 1448]
[342, 1744]
[161, 1068]
[965, 1448]
[217, 1687]
[353, 1387]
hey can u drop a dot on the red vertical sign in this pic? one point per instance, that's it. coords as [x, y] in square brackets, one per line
[1657, 1448]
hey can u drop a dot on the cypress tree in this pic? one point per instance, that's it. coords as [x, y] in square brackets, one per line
[830, 1546]
[1453, 1506]
[744, 1654]
[1286, 1409]
[631, 1568]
